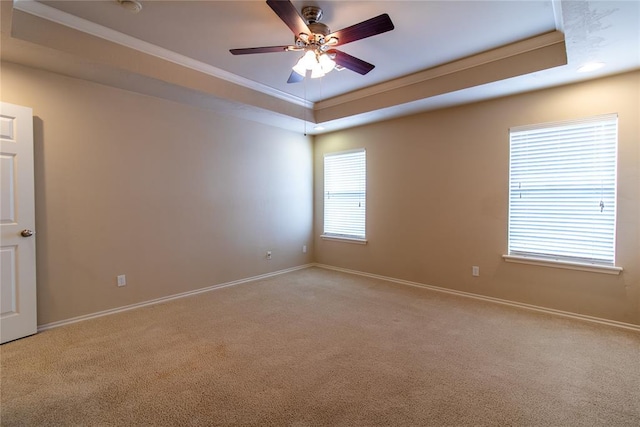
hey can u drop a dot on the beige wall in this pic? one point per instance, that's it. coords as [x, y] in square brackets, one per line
[179, 198]
[437, 200]
[175, 197]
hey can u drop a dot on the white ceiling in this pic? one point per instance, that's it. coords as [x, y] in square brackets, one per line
[428, 34]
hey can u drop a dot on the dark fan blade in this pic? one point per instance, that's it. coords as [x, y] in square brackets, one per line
[371, 27]
[265, 49]
[351, 62]
[295, 78]
[289, 15]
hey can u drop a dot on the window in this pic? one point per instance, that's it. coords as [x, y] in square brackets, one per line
[562, 191]
[345, 195]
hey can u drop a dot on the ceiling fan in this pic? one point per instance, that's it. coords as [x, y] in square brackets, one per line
[318, 42]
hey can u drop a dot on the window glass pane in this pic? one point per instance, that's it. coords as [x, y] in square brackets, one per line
[345, 194]
[562, 191]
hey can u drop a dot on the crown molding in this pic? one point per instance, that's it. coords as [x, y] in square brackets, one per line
[54, 15]
[451, 68]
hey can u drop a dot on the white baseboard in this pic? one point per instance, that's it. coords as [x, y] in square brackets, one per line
[167, 298]
[531, 307]
[551, 311]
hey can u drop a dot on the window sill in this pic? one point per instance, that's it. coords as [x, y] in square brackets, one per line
[521, 259]
[355, 240]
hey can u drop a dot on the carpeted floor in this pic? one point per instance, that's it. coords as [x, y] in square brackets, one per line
[318, 347]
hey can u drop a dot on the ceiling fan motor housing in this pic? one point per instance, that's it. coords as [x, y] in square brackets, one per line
[316, 39]
[312, 14]
[319, 28]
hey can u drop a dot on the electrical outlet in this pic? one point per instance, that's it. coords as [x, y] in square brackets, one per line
[268, 254]
[304, 249]
[475, 271]
[122, 280]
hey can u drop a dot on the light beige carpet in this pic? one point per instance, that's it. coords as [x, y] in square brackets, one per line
[318, 347]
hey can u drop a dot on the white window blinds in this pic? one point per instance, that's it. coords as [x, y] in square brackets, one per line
[562, 190]
[345, 194]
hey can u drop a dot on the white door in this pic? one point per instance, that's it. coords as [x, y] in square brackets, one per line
[18, 316]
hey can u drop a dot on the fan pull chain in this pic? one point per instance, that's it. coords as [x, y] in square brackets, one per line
[304, 116]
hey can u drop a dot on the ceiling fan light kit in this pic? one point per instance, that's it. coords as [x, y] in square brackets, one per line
[318, 42]
[318, 64]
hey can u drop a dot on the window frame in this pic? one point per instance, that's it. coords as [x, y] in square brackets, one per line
[337, 236]
[558, 259]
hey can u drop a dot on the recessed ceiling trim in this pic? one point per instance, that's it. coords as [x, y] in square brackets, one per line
[500, 53]
[53, 44]
[454, 78]
[54, 15]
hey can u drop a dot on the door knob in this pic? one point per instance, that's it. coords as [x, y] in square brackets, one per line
[26, 233]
